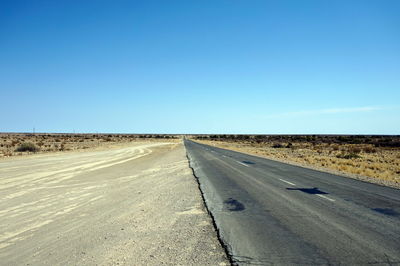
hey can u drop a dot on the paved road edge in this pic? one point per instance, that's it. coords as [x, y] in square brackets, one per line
[223, 243]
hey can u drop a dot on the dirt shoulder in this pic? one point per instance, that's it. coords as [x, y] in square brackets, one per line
[382, 166]
[141, 206]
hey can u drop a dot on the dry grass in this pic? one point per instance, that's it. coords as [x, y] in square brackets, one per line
[380, 164]
[11, 143]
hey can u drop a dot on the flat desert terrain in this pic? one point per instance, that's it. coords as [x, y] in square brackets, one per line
[22, 144]
[132, 205]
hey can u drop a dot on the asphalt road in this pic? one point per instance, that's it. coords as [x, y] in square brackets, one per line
[274, 213]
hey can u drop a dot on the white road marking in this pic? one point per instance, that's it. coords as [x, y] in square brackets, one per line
[243, 164]
[290, 183]
[325, 197]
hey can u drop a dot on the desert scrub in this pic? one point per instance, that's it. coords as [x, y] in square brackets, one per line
[27, 146]
[277, 145]
[351, 155]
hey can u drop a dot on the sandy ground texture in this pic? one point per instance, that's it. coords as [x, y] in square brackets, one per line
[136, 205]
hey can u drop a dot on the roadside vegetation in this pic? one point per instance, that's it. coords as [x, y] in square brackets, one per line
[374, 157]
[27, 147]
[14, 144]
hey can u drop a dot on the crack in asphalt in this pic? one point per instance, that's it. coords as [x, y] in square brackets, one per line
[223, 243]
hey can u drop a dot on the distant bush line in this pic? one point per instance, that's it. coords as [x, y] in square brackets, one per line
[376, 140]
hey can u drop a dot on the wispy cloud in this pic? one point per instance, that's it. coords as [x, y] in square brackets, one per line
[328, 111]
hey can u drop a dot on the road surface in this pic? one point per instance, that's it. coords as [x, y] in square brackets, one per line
[138, 205]
[269, 212]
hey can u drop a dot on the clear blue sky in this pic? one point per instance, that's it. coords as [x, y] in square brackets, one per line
[266, 67]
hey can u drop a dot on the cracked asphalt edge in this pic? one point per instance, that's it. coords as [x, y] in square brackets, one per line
[225, 246]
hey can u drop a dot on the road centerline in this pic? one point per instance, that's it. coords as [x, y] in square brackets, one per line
[290, 183]
[242, 163]
[325, 197]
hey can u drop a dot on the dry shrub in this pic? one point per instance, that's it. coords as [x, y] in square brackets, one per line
[369, 149]
[354, 150]
[14, 142]
[27, 146]
[348, 156]
[277, 145]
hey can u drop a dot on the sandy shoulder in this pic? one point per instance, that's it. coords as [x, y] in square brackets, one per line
[101, 147]
[145, 211]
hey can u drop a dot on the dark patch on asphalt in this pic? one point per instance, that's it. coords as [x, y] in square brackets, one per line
[386, 211]
[248, 162]
[234, 205]
[313, 191]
